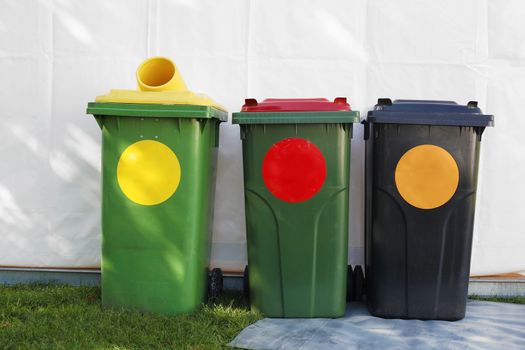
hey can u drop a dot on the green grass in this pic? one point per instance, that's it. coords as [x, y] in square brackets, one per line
[65, 317]
[513, 300]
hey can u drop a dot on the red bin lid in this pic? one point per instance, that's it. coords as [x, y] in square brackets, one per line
[295, 105]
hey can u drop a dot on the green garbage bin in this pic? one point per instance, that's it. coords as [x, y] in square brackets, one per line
[296, 155]
[421, 178]
[159, 151]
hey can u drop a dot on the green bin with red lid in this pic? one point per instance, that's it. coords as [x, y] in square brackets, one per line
[296, 159]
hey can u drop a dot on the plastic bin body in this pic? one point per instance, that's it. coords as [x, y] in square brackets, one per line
[418, 250]
[155, 256]
[297, 246]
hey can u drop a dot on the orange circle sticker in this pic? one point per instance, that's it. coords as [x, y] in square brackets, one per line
[427, 176]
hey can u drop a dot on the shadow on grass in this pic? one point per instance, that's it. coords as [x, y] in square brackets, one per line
[40, 316]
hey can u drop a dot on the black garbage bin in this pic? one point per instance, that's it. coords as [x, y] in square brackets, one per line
[421, 178]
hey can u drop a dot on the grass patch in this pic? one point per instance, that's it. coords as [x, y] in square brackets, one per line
[66, 317]
[512, 300]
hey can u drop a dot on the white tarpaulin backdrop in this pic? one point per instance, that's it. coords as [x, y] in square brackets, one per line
[55, 56]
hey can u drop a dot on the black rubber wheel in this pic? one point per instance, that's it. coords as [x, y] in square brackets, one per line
[215, 285]
[350, 295]
[246, 284]
[359, 282]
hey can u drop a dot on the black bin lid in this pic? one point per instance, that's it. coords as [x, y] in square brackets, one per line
[428, 112]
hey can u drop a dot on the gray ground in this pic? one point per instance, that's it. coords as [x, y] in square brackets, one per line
[487, 325]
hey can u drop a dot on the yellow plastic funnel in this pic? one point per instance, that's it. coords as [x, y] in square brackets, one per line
[159, 74]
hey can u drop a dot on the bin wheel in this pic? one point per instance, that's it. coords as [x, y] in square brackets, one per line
[215, 285]
[350, 284]
[246, 284]
[359, 282]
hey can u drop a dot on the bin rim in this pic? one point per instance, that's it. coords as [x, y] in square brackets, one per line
[338, 117]
[101, 109]
[429, 112]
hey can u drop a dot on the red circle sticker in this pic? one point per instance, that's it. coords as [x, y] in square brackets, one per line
[294, 170]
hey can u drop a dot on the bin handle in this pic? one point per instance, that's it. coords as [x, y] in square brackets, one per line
[366, 131]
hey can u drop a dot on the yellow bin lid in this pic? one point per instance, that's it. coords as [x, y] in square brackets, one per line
[159, 82]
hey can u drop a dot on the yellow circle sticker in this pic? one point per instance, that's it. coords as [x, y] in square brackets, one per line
[148, 172]
[427, 176]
